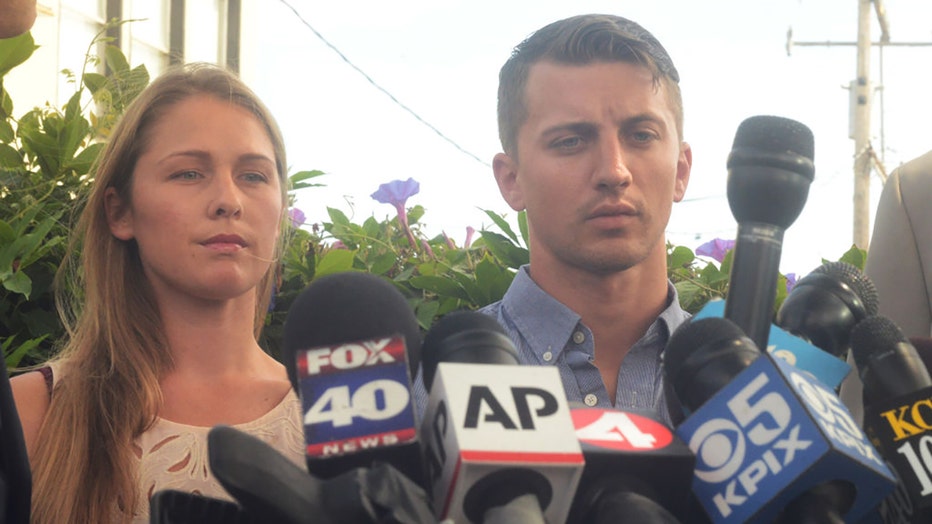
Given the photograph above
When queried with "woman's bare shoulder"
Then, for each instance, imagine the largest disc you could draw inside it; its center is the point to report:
(31, 394)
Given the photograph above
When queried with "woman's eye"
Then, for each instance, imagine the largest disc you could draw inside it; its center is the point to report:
(255, 177)
(187, 175)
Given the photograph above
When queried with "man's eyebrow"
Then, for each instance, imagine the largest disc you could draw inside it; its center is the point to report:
(645, 117)
(578, 128)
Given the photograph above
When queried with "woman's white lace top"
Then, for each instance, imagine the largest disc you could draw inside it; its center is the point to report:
(174, 456)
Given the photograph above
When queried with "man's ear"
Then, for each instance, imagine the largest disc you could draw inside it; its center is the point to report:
(683, 167)
(506, 175)
(119, 215)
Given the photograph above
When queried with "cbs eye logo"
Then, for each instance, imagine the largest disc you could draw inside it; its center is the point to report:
(719, 444)
(720, 449)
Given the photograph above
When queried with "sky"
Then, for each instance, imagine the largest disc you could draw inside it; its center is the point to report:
(440, 59)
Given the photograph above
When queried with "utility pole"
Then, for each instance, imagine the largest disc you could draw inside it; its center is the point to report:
(860, 91)
(861, 115)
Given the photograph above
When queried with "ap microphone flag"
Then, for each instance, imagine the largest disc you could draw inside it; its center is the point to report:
(515, 420)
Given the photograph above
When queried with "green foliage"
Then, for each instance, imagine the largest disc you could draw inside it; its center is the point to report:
(45, 164)
(699, 280)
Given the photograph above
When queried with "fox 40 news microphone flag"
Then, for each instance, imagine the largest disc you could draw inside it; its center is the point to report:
(351, 346)
(768, 438)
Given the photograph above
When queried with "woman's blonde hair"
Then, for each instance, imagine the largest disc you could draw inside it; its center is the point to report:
(116, 352)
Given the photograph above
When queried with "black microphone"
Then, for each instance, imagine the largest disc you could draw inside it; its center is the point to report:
(15, 475)
(351, 345)
(499, 440)
(271, 487)
(897, 414)
(825, 305)
(169, 506)
(636, 469)
(769, 172)
(771, 441)
(262, 480)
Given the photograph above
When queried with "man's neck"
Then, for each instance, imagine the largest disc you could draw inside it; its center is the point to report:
(618, 308)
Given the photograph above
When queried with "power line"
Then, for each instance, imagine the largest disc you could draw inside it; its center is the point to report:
(382, 89)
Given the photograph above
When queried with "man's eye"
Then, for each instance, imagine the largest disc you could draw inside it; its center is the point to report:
(642, 136)
(568, 143)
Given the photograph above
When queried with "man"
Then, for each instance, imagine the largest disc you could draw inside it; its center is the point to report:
(591, 123)
(899, 261)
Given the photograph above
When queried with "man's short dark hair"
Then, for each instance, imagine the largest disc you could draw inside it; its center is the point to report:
(581, 40)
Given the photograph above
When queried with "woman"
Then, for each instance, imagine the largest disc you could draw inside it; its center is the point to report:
(177, 244)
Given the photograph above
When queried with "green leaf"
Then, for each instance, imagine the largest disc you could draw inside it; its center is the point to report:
(508, 253)
(337, 216)
(299, 179)
(335, 261)
(855, 256)
(10, 158)
(6, 132)
(85, 159)
(500, 222)
(381, 264)
(522, 226)
(492, 280)
(681, 257)
(440, 285)
(94, 82)
(14, 51)
(425, 312)
(13, 358)
(18, 282)
(7, 236)
(116, 60)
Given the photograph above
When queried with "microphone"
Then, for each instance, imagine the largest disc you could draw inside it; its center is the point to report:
(270, 486)
(766, 435)
(494, 434)
(169, 506)
(769, 172)
(897, 413)
(262, 480)
(829, 369)
(636, 469)
(351, 345)
(15, 475)
(825, 305)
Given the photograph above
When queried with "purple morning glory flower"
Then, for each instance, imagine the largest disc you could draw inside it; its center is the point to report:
(716, 248)
(397, 193)
(448, 240)
(297, 217)
(790, 281)
(470, 231)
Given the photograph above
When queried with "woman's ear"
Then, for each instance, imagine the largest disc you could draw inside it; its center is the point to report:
(119, 215)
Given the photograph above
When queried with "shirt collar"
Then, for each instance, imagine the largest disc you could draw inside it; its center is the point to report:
(548, 324)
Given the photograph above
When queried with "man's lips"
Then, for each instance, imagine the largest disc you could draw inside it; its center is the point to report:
(614, 210)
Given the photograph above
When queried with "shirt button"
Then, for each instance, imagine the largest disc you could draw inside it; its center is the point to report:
(548, 356)
(579, 337)
(591, 400)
